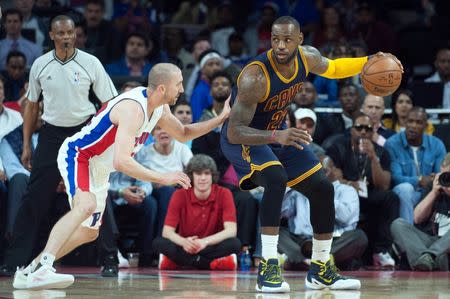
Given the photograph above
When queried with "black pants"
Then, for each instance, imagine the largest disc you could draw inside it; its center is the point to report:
(108, 235)
(182, 258)
(44, 179)
(16, 190)
(378, 211)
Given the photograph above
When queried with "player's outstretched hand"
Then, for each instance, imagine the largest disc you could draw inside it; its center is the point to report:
(226, 109)
(293, 136)
(176, 178)
(393, 57)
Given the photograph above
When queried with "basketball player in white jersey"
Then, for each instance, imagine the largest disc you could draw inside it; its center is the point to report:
(108, 144)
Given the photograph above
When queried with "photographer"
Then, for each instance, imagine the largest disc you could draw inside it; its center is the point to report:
(427, 244)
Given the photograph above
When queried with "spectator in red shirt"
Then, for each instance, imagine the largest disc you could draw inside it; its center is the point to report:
(200, 226)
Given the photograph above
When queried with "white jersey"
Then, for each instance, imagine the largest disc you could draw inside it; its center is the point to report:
(65, 87)
(85, 160)
(94, 144)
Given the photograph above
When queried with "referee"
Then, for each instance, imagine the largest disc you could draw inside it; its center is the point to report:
(64, 77)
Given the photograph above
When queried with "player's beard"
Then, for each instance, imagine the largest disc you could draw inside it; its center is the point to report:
(221, 98)
(289, 58)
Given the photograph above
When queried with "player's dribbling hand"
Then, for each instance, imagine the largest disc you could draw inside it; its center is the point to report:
(393, 57)
(176, 178)
(292, 136)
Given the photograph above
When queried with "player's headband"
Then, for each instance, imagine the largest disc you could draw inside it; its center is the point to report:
(208, 57)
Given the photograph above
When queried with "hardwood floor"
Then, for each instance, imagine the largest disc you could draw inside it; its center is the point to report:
(151, 283)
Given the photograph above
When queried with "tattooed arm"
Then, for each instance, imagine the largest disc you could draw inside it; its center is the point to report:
(251, 89)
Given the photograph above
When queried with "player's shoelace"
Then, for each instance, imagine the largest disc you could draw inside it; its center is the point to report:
(329, 271)
(271, 272)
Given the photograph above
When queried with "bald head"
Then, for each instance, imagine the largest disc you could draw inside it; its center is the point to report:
(162, 74)
(373, 106)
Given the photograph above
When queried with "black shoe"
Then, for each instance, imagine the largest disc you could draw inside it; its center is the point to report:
(110, 266)
(7, 271)
(110, 271)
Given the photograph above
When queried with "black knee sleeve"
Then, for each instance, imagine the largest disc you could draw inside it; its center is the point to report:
(320, 192)
(273, 179)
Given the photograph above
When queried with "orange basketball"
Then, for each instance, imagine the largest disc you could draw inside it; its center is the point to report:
(381, 76)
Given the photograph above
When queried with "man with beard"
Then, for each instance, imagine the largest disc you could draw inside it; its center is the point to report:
(264, 153)
(416, 158)
(334, 125)
(209, 144)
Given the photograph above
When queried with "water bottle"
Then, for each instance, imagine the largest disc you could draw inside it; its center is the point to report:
(246, 261)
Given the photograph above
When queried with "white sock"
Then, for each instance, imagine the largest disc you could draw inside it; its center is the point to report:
(269, 246)
(47, 259)
(321, 250)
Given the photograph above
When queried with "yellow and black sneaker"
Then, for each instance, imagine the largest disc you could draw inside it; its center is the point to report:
(269, 278)
(325, 275)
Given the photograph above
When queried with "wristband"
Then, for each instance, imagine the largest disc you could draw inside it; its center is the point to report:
(272, 137)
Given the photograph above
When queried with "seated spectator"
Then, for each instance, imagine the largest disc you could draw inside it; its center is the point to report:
(442, 74)
(366, 166)
(128, 194)
(174, 41)
(427, 243)
(258, 35)
(210, 62)
(35, 26)
(306, 97)
(14, 76)
(223, 27)
(129, 85)
(366, 23)
(334, 124)
(164, 155)
(200, 45)
(306, 119)
(349, 243)
(209, 144)
(9, 118)
(102, 39)
(330, 32)
(402, 101)
(130, 17)
(237, 52)
(182, 110)
(416, 158)
(200, 227)
(373, 106)
(14, 41)
(134, 62)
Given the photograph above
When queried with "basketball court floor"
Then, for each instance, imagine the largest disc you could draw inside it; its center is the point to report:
(151, 283)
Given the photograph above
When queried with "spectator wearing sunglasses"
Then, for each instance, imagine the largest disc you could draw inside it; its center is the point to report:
(366, 166)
